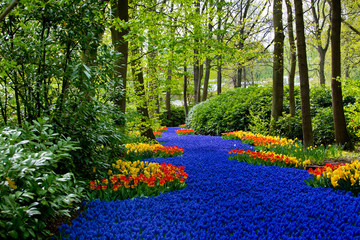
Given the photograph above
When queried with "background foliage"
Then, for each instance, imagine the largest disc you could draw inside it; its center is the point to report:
(249, 109)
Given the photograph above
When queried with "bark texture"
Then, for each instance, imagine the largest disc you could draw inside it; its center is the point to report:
(278, 62)
(341, 135)
(292, 58)
(308, 139)
(120, 9)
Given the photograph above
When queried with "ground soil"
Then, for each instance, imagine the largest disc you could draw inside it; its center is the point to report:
(54, 223)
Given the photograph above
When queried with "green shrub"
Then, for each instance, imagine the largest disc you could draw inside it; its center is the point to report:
(286, 107)
(249, 109)
(31, 192)
(228, 111)
(259, 121)
(177, 117)
(323, 126)
(289, 127)
(353, 114)
(320, 97)
(94, 126)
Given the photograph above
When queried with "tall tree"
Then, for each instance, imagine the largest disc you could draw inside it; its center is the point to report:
(249, 17)
(208, 59)
(292, 57)
(185, 91)
(120, 9)
(341, 134)
(219, 38)
(278, 62)
(197, 67)
(142, 104)
(320, 22)
(308, 139)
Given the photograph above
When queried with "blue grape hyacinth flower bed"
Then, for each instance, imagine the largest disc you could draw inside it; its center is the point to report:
(224, 199)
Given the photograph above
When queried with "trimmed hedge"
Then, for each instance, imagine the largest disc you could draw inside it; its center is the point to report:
(230, 111)
(177, 117)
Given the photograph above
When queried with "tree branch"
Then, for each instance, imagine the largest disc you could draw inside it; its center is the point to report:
(351, 27)
(8, 9)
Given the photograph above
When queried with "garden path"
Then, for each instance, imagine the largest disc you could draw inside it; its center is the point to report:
(224, 199)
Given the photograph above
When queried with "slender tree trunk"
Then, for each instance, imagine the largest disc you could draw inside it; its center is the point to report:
(201, 74)
(153, 85)
(244, 77)
(239, 77)
(120, 10)
(197, 70)
(239, 80)
(243, 17)
(219, 38)
(206, 79)
(252, 76)
(15, 81)
(185, 91)
(168, 97)
(65, 81)
(292, 58)
(341, 135)
(196, 77)
(322, 55)
(4, 106)
(168, 103)
(18, 108)
(219, 77)
(142, 108)
(278, 67)
(304, 78)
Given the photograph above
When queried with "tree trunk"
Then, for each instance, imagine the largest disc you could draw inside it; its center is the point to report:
(197, 70)
(168, 96)
(120, 10)
(304, 78)
(18, 108)
(153, 85)
(341, 135)
(319, 28)
(196, 78)
(239, 77)
(278, 67)
(244, 77)
(168, 103)
(252, 76)
(142, 108)
(239, 80)
(4, 106)
(218, 76)
(206, 79)
(292, 58)
(219, 38)
(322, 55)
(185, 91)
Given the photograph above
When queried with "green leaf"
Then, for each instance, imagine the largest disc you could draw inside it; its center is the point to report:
(33, 211)
(13, 234)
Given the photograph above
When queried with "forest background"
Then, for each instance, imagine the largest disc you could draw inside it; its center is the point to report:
(83, 77)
